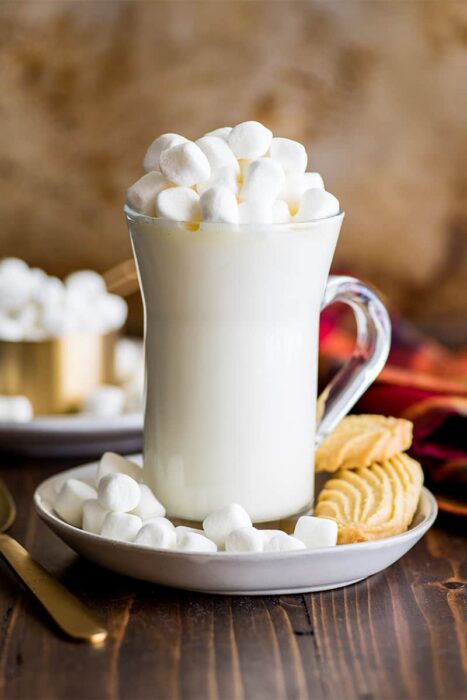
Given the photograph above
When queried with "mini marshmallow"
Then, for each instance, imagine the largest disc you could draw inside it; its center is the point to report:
(264, 179)
(105, 401)
(86, 283)
(280, 212)
(185, 164)
(141, 196)
(121, 526)
(13, 266)
(218, 153)
(16, 285)
(118, 492)
(317, 204)
(17, 409)
(220, 177)
(291, 155)
(283, 543)
(50, 291)
(245, 539)
(158, 533)
(250, 140)
(70, 500)
(219, 204)
(129, 359)
(243, 163)
(219, 524)
(152, 156)
(223, 132)
(112, 463)
(111, 311)
(316, 532)
(268, 535)
(295, 185)
(255, 212)
(148, 506)
(93, 516)
(181, 530)
(179, 204)
(193, 542)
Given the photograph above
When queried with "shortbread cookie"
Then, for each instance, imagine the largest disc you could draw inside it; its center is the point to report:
(372, 502)
(359, 441)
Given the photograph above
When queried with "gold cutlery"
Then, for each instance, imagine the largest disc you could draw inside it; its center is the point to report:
(72, 616)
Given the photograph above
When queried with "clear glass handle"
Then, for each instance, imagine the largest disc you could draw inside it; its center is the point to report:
(369, 356)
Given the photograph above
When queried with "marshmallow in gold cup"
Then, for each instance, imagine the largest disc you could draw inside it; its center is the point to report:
(58, 373)
(231, 342)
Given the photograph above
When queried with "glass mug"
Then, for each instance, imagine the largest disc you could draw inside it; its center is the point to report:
(231, 348)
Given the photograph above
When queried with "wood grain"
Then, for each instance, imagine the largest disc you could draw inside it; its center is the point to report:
(400, 634)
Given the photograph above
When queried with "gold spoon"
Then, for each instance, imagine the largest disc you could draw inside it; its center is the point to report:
(69, 613)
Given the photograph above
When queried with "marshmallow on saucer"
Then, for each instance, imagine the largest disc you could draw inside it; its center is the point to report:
(316, 532)
(141, 196)
(181, 531)
(219, 204)
(118, 492)
(105, 401)
(70, 500)
(17, 409)
(121, 526)
(219, 524)
(283, 543)
(317, 204)
(178, 204)
(112, 463)
(148, 506)
(291, 155)
(218, 153)
(250, 140)
(185, 164)
(152, 156)
(160, 533)
(263, 180)
(93, 516)
(193, 542)
(245, 539)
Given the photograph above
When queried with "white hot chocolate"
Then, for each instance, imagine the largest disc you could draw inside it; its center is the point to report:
(231, 355)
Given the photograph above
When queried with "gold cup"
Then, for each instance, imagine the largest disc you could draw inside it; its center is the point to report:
(57, 374)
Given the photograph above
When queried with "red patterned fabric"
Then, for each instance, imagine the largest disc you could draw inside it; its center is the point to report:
(422, 381)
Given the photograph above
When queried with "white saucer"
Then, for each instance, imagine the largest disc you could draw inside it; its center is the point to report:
(235, 574)
(73, 435)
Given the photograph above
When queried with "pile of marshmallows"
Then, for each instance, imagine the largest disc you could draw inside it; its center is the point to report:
(119, 507)
(37, 306)
(239, 175)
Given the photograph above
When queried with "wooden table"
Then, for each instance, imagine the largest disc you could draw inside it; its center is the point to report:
(400, 634)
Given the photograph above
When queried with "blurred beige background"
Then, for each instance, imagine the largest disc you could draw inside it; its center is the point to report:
(377, 90)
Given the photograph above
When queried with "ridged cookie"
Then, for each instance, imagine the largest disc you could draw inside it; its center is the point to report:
(359, 441)
(372, 502)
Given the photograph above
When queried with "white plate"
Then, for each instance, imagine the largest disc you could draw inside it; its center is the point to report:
(237, 574)
(73, 435)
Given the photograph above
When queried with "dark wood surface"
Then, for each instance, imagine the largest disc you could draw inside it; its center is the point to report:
(400, 634)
